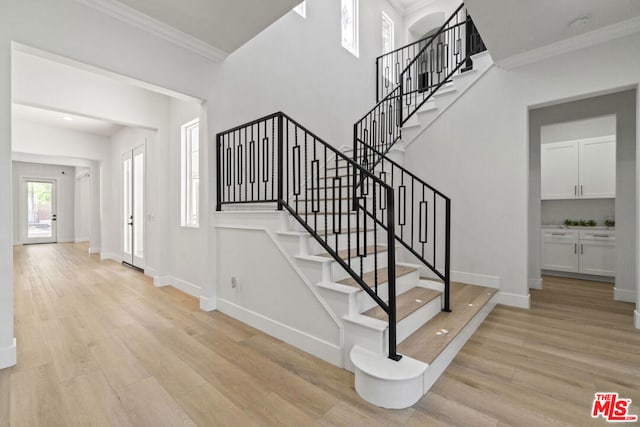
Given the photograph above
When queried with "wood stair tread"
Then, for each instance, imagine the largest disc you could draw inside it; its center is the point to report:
(383, 276)
(429, 341)
(345, 253)
(343, 231)
(406, 303)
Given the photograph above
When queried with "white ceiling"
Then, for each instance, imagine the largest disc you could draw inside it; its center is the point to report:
(514, 27)
(55, 119)
(224, 24)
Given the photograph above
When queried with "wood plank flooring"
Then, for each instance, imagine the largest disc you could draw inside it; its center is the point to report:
(99, 345)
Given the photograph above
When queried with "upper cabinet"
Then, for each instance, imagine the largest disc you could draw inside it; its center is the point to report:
(583, 169)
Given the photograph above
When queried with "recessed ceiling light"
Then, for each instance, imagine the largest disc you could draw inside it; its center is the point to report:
(67, 118)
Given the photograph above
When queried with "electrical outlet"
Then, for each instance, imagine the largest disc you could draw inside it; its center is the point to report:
(234, 282)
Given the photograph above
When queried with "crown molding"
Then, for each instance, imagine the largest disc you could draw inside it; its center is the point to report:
(591, 38)
(133, 17)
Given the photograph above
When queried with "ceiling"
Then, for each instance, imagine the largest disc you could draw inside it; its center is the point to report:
(223, 24)
(56, 119)
(514, 27)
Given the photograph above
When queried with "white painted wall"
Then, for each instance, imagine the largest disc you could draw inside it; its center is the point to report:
(65, 188)
(82, 202)
(477, 152)
(587, 128)
(188, 244)
(298, 66)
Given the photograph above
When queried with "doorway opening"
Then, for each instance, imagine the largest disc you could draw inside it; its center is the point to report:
(133, 182)
(40, 201)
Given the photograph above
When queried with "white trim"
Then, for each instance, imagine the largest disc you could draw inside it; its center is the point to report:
(110, 256)
(514, 300)
(94, 250)
(624, 295)
(476, 279)
(324, 350)
(161, 281)
(80, 239)
(133, 17)
(636, 319)
(601, 35)
(208, 304)
(535, 283)
(8, 356)
(174, 282)
(397, 6)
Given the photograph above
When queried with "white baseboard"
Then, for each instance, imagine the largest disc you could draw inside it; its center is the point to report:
(476, 279)
(8, 356)
(514, 300)
(94, 250)
(110, 256)
(80, 239)
(208, 304)
(183, 285)
(313, 345)
(624, 295)
(65, 240)
(636, 319)
(535, 283)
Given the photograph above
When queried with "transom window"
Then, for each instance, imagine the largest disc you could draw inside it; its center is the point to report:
(350, 39)
(388, 31)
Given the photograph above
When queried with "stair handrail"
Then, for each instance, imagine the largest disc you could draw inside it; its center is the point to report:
(275, 159)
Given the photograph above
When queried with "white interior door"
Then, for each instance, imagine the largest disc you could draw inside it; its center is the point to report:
(133, 207)
(40, 222)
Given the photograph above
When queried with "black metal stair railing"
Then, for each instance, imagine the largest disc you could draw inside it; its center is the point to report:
(423, 217)
(276, 160)
(390, 65)
(445, 54)
(425, 71)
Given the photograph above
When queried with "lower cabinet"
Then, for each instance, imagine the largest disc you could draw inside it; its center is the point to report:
(579, 251)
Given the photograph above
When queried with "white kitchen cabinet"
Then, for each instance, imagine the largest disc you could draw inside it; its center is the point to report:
(579, 251)
(582, 169)
(559, 170)
(598, 168)
(598, 253)
(560, 250)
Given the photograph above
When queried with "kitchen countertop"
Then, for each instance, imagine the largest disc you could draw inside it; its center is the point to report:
(575, 227)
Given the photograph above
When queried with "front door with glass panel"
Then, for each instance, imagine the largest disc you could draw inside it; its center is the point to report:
(133, 207)
(41, 217)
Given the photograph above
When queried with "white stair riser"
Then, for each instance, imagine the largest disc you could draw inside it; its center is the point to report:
(365, 337)
(403, 284)
(418, 318)
(338, 273)
(343, 239)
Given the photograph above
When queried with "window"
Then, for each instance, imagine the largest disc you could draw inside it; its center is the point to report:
(190, 174)
(301, 9)
(350, 40)
(387, 33)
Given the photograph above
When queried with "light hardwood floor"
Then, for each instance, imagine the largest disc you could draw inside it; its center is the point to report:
(99, 345)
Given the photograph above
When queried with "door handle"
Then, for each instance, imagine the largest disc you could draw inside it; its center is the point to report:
(575, 248)
(575, 190)
(54, 217)
(581, 249)
(581, 190)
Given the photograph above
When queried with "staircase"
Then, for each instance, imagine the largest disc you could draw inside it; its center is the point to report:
(348, 213)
